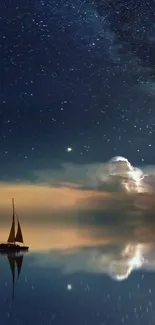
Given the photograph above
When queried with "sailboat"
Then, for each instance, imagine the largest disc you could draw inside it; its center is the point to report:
(14, 238)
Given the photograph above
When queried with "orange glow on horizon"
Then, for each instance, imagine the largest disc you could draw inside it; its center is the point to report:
(54, 237)
(34, 198)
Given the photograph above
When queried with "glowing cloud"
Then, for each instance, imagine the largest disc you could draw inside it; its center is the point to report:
(130, 177)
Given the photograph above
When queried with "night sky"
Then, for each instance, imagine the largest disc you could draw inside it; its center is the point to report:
(77, 87)
(75, 75)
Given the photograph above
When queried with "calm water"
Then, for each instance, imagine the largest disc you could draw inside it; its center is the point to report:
(79, 279)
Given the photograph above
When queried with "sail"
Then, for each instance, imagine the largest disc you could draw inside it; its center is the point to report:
(11, 237)
(19, 262)
(12, 267)
(19, 236)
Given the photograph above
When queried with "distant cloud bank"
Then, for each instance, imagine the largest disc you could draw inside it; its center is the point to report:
(116, 175)
(91, 189)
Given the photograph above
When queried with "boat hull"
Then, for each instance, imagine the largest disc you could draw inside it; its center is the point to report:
(12, 248)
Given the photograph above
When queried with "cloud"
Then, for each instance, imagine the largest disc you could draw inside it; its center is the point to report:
(114, 196)
(115, 188)
(81, 176)
(116, 261)
(115, 175)
(37, 200)
(42, 203)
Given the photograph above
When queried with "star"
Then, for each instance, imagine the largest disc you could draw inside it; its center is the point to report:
(69, 149)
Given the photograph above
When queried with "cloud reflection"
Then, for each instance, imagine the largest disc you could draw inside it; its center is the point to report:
(116, 262)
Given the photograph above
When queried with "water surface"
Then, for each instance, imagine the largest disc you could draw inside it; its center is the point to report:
(78, 276)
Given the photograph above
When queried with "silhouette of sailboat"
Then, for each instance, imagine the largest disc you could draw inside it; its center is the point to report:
(14, 237)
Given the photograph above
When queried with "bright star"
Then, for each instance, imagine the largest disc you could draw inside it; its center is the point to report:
(69, 149)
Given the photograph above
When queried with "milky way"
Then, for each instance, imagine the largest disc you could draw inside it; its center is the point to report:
(133, 24)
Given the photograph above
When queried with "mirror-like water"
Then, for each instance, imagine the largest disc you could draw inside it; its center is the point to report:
(77, 276)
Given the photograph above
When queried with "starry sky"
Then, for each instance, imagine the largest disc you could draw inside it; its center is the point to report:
(75, 75)
(77, 87)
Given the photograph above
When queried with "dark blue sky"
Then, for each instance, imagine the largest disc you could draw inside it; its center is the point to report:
(76, 75)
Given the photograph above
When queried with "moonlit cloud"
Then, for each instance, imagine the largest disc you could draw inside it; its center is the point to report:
(116, 175)
(83, 187)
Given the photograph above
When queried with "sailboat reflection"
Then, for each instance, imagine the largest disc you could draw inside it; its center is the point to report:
(15, 262)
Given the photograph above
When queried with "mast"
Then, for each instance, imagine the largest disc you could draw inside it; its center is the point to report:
(11, 237)
(13, 206)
